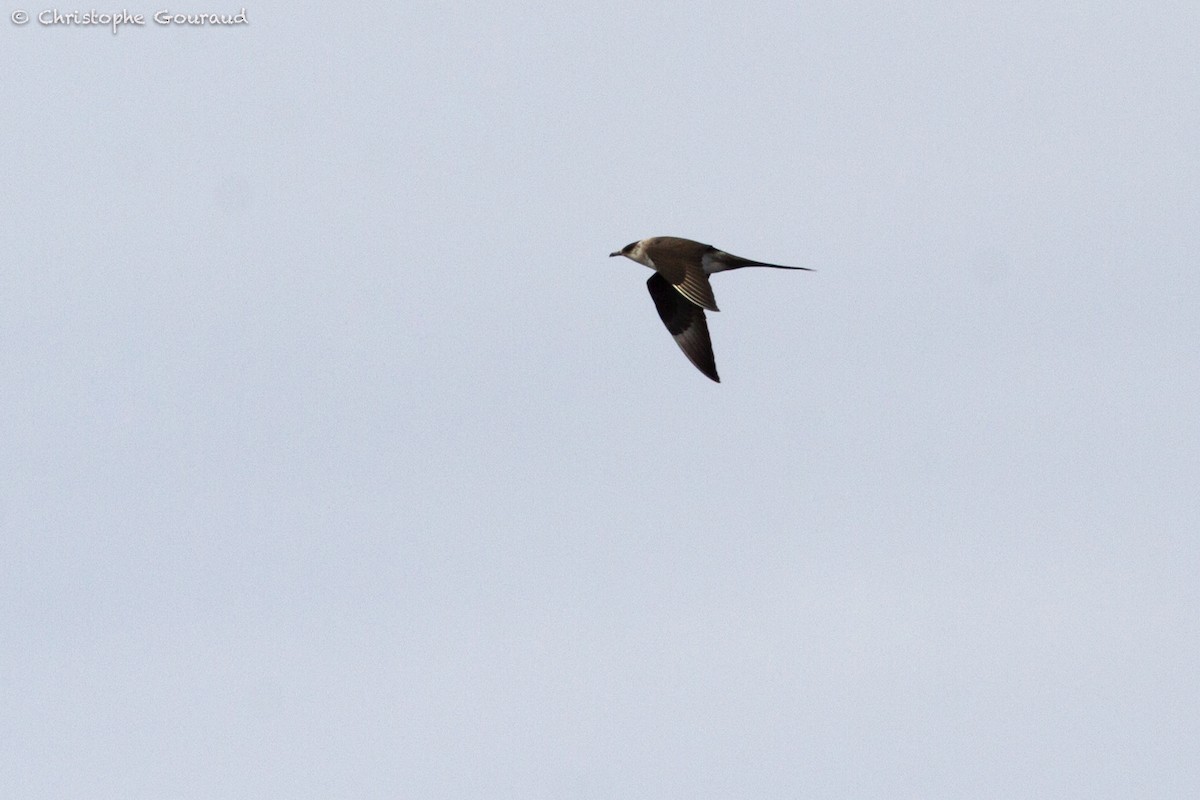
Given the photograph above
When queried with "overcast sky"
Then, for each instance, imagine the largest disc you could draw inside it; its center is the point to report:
(337, 459)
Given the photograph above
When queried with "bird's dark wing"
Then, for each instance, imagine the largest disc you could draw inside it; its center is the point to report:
(686, 322)
(680, 264)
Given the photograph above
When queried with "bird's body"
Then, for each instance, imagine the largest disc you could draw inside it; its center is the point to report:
(681, 290)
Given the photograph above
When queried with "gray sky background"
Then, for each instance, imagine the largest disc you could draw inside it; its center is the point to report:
(338, 460)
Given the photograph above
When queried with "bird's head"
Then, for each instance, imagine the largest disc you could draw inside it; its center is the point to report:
(633, 251)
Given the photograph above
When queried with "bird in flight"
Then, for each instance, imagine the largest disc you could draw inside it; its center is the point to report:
(681, 291)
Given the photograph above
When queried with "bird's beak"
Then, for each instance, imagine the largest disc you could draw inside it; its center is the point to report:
(610, 255)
